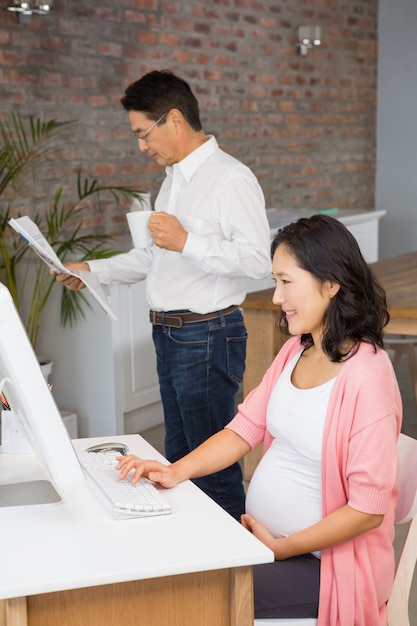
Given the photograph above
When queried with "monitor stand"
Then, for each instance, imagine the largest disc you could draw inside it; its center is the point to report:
(29, 493)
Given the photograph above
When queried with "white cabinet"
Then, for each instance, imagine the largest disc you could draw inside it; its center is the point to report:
(136, 377)
(364, 225)
(365, 228)
(105, 371)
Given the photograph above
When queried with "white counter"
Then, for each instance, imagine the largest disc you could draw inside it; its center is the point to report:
(77, 544)
(364, 225)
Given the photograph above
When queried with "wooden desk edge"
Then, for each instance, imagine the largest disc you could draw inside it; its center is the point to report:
(238, 612)
(13, 612)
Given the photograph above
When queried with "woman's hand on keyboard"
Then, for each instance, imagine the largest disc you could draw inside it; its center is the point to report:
(154, 470)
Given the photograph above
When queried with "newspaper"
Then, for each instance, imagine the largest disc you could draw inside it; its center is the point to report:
(30, 232)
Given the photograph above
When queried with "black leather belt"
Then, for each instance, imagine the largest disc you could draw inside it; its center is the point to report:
(178, 319)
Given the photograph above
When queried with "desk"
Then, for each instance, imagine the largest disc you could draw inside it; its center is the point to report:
(73, 564)
(398, 276)
(264, 342)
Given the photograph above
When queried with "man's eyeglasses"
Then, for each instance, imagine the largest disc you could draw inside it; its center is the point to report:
(145, 134)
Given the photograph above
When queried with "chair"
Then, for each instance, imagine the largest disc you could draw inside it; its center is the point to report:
(405, 512)
(400, 345)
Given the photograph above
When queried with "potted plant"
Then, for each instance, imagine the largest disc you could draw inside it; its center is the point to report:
(27, 145)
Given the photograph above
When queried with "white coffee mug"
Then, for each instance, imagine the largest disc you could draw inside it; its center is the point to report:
(138, 225)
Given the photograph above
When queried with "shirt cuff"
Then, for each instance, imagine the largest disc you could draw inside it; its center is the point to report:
(368, 499)
(195, 247)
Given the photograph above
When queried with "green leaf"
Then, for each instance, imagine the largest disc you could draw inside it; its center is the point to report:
(27, 145)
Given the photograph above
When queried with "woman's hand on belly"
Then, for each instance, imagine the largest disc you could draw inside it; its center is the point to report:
(277, 545)
(339, 526)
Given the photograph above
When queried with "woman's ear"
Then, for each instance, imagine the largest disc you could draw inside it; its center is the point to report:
(333, 289)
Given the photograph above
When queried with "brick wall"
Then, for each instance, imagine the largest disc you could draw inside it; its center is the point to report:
(305, 125)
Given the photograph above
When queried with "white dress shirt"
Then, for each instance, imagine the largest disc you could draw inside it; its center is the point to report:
(219, 202)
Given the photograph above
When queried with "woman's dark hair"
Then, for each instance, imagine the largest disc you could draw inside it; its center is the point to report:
(158, 92)
(324, 247)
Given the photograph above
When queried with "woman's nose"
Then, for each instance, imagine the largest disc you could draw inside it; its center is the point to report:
(277, 296)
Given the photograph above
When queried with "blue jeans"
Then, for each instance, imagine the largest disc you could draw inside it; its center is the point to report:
(200, 367)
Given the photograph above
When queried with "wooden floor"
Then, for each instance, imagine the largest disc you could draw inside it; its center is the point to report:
(156, 437)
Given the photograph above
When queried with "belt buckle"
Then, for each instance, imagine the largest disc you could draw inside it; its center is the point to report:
(154, 318)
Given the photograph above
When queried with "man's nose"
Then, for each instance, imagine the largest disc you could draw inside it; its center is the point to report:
(143, 146)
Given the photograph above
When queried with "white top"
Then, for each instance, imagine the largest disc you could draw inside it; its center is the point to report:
(285, 490)
(220, 203)
(77, 543)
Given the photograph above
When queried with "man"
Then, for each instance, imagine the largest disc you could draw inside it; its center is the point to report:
(210, 233)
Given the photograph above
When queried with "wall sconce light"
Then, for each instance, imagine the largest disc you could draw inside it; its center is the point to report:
(25, 9)
(308, 36)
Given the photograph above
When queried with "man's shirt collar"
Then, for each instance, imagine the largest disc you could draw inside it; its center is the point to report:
(190, 164)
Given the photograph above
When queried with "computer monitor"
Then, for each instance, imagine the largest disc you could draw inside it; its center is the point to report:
(29, 397)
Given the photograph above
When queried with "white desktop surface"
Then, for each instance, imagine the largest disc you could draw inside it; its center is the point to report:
(77, 543)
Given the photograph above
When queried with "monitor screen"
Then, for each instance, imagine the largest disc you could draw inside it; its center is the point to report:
(25, 389)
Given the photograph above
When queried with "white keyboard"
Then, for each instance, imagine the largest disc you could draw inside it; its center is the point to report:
(123, 499)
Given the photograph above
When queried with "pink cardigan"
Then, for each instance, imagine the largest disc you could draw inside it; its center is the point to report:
(359, 467)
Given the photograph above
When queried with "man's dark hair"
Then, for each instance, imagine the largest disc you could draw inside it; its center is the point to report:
(158, 92)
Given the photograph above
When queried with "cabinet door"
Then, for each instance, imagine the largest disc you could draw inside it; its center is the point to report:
(366, 234)
(134, 344)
